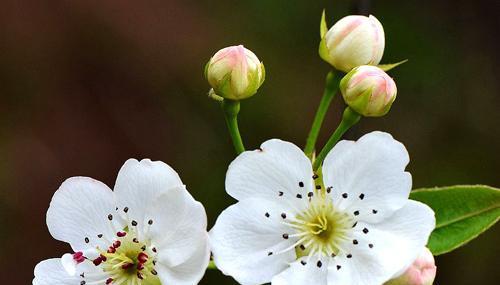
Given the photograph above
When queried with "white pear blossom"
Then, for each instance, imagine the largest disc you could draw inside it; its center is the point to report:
(148, 231)
(353, 225)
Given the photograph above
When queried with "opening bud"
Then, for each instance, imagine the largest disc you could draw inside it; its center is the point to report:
(368, 90)
(235, 73)
(353, 41)
(421, 272)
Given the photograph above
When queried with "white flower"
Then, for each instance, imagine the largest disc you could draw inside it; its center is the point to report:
(148, 231)
(355, 226)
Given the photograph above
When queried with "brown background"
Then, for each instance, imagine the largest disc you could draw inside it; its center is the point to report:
(84, 85)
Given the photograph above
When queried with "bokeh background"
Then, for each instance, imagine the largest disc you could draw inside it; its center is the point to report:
(86, 84)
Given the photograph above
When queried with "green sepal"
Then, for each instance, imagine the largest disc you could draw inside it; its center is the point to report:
(205, 69)
(462, 212)
(323, 51)
(263, 69)
(323, 27)
(389, 66)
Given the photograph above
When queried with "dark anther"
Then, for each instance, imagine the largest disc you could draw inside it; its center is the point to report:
(303, 262)
(87, 240)
(283, 215)
(82, 283)
(125, 209)
(338, 267)
(285, 236)
(318, 187)
(299, 196)
(280, 193)
(154, 249)
(349, 255)
(354, 224)
(319, 264)
(134, 223)
(356, 213)
(310, 194)
(344, 195)
(267, 215)
(333, 254)
(302, 247)
(370, 245)
(143, 248)
(150, 222)
(301, 184)
(355, 241)
(110, 217)
(99, 235)
(374, 211)
(329, 189)
(362, 196)
(315, 176)
(365, 230)
(270, 253)
(135, 240)
(154, 272)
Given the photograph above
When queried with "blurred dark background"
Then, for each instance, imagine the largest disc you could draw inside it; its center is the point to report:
(84, 85)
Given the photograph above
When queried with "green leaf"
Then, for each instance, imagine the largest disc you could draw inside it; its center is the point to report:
(323, 28)
(462, 213)
(389, 66)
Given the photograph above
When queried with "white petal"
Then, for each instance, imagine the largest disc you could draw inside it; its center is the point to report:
(277, 167)
(52, 272)
(189, 272)
(299, 274)
(79, 210)
(243, 238)
(179, 226)
(371, 173)
(396, 242)
(139, 183)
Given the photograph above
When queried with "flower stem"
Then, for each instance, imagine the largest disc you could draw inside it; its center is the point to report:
(211, 265)
(331, 87)
(349, 119)
(231, 109)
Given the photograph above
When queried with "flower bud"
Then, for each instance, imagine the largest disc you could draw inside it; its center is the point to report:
(421, 272)
(368, 90)
(235, 73)
(353, 41)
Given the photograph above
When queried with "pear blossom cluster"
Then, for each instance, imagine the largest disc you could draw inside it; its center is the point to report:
(348, 221)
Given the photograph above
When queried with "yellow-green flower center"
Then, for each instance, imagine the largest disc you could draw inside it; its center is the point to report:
(321, 228)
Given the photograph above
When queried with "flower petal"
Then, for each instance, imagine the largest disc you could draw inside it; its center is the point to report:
(384, 249)
(299, 274)
(79, 212)
(368, 176)
(51, 271)
(189, 272)
(139, 183)
(178, 226)
(247, 239)
(278, 171)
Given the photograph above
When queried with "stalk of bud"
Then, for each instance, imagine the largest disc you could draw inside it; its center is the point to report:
(353, 41)
(368, 90)
(235, 73)
(421, 272)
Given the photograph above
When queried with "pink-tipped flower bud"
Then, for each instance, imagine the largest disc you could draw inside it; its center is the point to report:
(421, 272)
(368, 90)
(235, 73)
(353, 41)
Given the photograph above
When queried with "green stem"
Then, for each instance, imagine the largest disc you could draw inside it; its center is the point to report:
(349, 119)
(331, 87)
(211, 265)
(231, 109)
